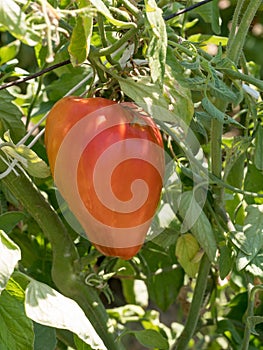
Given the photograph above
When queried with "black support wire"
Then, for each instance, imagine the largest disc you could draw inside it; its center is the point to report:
(187, 9)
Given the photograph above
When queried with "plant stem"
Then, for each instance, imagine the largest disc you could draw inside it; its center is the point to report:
(65, 255)
(116, 45)
(234, 49)
(252, 290)
(194, 312)
(237, 39)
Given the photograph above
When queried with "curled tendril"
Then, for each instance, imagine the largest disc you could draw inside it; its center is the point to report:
(100, 282)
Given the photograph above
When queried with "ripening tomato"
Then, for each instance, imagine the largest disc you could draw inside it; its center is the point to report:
(107, 160)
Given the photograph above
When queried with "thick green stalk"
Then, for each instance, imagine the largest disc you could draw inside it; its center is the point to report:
(194, 312)
(65, 255)
(252, 290)
(235, 20)
(237, 38)
(234, 49)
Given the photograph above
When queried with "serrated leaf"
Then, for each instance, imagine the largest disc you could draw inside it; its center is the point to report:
(187, 248)
(46, 306)
(258, 156)
(13, 19)
(215, 113)
(10, 254)
(253, 236)
(16, 330)
(103, 9)
(156, 52)
(197, 222)
(220, 89)
(80, 40)
(30, 161)
(147, 95)
(157, 102)
(181, 102)
(151, 339)
(10, 116)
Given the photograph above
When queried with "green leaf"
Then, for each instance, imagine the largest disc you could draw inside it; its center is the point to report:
(227, 327)
(148, 96)
(252, 321)
(10, 219)
(206, 39)
(181, 102)
(13, 19)
(10, 116)
(16, 330)
(80, 40)
(258, 156)
(163, 281)
(159, 104)
(151, 339)
(197, 222)
(134, 290)
(30, 161)
(215, 17)
(9, 256)
(59, 87)
(48, 307)
(255, 267)
(9, 51)
(103, 9)
(254, 183)
(235, 161)
(220, 90)
(187, 249)
(80, 344)
(156, 52)
(45, 337)
(204, 11)
(215, 113)
(212, 110)
(253, 236)
(226, 261)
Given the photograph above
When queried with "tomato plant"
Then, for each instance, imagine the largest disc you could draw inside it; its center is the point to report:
(107, 160)
(183, 270)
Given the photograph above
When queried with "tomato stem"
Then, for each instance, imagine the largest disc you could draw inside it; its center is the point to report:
(238, 33)
(197, 302)
(65, 255)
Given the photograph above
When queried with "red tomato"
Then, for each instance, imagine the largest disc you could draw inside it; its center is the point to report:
(107, 161)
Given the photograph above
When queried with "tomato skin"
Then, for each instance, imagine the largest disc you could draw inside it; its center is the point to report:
(104, 148)
(63, 115)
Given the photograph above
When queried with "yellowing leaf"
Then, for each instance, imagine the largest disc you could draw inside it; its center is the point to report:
(188, 253)
(80, 40)
(30, 161)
